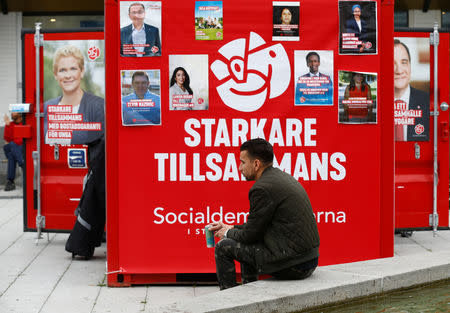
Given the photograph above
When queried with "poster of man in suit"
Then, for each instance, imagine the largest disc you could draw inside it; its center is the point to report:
(313, 77)
(411, 89)
(140, 28)
(357, 27)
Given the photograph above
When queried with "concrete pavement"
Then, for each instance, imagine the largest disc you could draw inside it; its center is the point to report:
(44, 278)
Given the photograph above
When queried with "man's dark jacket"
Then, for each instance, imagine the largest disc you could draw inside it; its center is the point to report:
(280, 223)
(151, 39)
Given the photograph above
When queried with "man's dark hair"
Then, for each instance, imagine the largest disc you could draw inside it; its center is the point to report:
(139, 73)
(311, 54)
(398, 42)
(260, 149)
(136, 3)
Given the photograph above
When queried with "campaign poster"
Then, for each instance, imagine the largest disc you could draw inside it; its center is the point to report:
(208, 20)
(140, 28)
(74, 91)
(188, 82)
(412, 89)
(141, 97)
(358, 27)
(286, 21)
(313, 72)
(357, 97)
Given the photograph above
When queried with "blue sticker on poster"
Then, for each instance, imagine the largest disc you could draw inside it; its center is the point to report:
(76, 158)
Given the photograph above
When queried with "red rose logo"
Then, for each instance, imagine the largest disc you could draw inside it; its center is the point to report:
(367, 45)
(200, 100)
(419, 129)
(93, 53)
(155, 49)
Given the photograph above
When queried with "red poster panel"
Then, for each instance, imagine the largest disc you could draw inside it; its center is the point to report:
(61, 174)
(166, 180)
(414, 130)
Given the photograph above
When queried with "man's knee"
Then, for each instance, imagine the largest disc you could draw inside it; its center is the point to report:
(225, 246)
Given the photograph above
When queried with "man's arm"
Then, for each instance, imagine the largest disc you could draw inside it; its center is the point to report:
(261, 211)
(8, 133)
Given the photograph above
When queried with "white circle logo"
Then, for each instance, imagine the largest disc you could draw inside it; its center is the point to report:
(251, 72)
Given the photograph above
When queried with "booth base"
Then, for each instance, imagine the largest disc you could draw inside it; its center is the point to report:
(126, 280)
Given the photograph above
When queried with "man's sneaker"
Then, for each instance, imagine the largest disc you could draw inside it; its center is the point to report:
(10, 186)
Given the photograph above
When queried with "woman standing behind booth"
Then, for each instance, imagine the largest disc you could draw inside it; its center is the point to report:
(84, 112)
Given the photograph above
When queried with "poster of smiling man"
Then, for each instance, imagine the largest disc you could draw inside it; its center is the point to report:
(357, 27)
(74, 91)
(313, 77)
(286, 20)
(412, 89)
(140, 28)
(141, 100)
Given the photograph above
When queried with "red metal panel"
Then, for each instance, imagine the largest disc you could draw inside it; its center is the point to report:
(414, 177)
(142, 243)
(60, 186)
(386, 121)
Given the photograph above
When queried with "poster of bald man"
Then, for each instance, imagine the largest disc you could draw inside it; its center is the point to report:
(412, 89)
(313, 72)
(140, 28)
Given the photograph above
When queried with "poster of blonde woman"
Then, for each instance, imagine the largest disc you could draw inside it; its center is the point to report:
(73, 91)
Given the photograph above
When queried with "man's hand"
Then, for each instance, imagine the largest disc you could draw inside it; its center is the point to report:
(219, 229)
(6, 119)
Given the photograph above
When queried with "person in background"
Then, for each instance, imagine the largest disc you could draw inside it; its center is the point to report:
(13, 148)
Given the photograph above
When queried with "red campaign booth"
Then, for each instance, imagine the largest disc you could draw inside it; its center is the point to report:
(167, 178)
(166, 182)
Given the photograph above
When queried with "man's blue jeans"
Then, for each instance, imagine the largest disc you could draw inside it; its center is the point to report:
(14, 154)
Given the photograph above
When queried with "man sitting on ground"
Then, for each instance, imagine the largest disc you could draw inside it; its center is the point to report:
(280, 236)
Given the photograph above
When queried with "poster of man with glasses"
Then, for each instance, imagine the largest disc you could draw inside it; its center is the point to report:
(140, 23)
